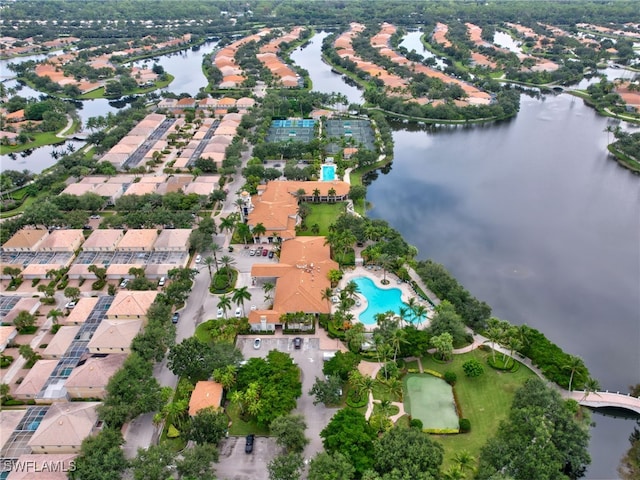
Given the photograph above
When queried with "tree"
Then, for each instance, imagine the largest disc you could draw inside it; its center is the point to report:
(240, 295)
(131, 391)
(268, 288)
(72, 293)
(444, 345)
(224, 302)
(357, 192)
(629, 468)
(334, 276)
(355, 336)
(257, 231)
(472, 368)
(341, 364)
(330, 467)
(289, 432)
(286, 467)
(101, 457)
(208, 426)
(24, 320)
(447, 320)
(408, 453)
(208, 261)
(153, 463)
(349, 433)
(544, 436)
(13, 272)
(29, 354)
(197, 462)
(197, 360)
(574, 364)
(327, 391)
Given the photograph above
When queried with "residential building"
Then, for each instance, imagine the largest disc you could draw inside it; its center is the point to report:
(103, 240)
(60, 342)
(205, 394)
(79, 314)
(138, 240)
(131, 305)
(62, 241)
(25, 240)
(7, 334)
(114, 336)
(64, 427)
(90, 378)
(173, 240)
(35, 379)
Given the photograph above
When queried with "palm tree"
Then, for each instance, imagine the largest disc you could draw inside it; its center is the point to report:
(398, 338)
(240, 295)
(454, 472)
(215, 249)
(420, 313)
(54, 314)
(224, 303)
(327, 293)
(243, 231)
(412, 304)
(268, 290)
(228, 223)
(351, 289)
(332, 194)
(257, 231)
(591, 386)
(464, 460)
(227, 263)
(316, 194)
(574, 364)
(494, 335)
(395, 388)
(208, 261)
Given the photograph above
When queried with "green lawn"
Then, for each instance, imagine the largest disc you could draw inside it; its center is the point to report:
(241, 428)
(324, 214)
(484, 400)
(41, 139)
(381, 392)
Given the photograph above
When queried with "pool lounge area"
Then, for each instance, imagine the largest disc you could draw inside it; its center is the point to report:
(377, 298)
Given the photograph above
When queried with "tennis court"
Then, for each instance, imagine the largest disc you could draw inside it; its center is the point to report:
(430, 399)
(297, 130)
(358, 130)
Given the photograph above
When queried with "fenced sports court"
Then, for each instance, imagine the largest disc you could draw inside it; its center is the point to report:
(430, 399)
(297, 130)
(351, 128)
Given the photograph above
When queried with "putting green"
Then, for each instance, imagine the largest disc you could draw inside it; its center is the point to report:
(430, 399)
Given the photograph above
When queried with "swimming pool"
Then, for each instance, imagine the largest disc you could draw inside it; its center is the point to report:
(378, 300)
(328, 173)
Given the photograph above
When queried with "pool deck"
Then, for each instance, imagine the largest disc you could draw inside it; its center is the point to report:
(377, 276)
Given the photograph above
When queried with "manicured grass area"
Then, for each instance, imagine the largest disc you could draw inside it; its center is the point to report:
(323, 214)
(484, 400)
(240, 427)
(381, 392)
(20, 209)
(41, 139)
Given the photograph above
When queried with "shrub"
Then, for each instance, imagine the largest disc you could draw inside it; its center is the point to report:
(450, 377)
(98, 284)
(55, 328)
(472, 368)
(5, 361)
(173, 432)
(416, 423)
(356, 400)
(465, 425)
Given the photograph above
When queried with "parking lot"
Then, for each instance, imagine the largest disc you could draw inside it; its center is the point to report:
(234, 463)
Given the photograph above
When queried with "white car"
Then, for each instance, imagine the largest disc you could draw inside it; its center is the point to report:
(252, 252)
(253, 308)
(256, 343)
(70, 304)
(220, 313)
(238, 312)
(198, 258)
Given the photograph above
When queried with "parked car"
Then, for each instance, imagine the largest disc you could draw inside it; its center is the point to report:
(252, 252)
(257, 343)
(238, 312)
(271, 254)
(124, 283)
(198, 258)
(95, 217)
(220, 313)
(175, 317)
(265, 252)
(162, 281)
(253, 307)
(70, 304)
(297, 343)
(248, 446)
